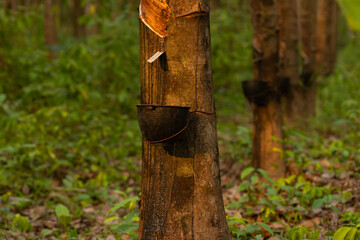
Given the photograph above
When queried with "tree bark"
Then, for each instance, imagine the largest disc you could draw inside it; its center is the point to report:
(308, 19)
(79, 11)
(267, 145)
(50, 26)
(10, 4)
(288, 60)
(334, 37)
(327, 24)
(181, 187)
(215, 4)
(309, 35)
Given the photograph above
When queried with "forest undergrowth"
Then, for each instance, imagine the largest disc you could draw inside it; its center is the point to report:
(70, 147)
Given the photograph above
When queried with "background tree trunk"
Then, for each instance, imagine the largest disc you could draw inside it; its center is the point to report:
(215, 4)
(10, 4)
(181, 189)
(50, 26)
(288, 59)
(334, 26)
(79, 11)
(267, 120)
(308, 19)
(327, 25)
(323, 40)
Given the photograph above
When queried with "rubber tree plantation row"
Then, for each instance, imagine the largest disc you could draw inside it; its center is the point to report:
(181, 189)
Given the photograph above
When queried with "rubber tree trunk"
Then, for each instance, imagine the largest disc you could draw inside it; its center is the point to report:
(50, 26)
(308, 19)
(267, 140)
(10, 4)
(181, 188)
(334, 33)
(288, 61)
(328, 19)
(79, 11)
(215, 4)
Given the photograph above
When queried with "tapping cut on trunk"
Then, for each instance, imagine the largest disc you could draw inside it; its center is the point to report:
(155, 14)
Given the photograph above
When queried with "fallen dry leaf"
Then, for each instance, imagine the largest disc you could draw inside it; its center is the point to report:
(311, 223)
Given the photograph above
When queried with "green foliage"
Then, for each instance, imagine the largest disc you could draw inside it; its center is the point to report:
(130, 201)
(231, 54)
(302, 233)
(75, 112)
(351, 9)
(126, 224)
(260, 190)
(348, 232)
(247, 172)
(45, 232)
(242, 229)
(63, 215)
(351, 217)
(68, 125)
(22, 223)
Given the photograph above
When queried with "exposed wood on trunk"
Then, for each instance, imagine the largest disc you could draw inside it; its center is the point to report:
(267, 150)
(79, 11)
(155, 15)
(181, 188)
(288, 59)
(308, 19)
(50, 26)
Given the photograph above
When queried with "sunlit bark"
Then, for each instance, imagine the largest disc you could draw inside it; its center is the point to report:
(267, 145)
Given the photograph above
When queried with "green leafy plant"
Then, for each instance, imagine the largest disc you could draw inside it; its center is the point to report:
(350, 217)
(22, 223)
(243, 229)
(302, 233)
(126, 224)
(46, 232)
(351, 8)
(348, 232)
(63, 215)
